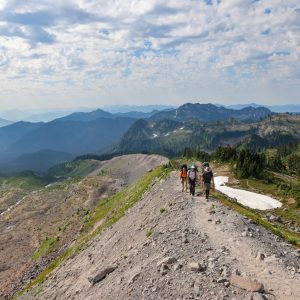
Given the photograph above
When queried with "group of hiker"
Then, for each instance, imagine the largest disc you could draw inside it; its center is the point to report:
(190, 175)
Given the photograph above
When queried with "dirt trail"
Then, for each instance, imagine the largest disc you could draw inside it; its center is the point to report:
(167, 223)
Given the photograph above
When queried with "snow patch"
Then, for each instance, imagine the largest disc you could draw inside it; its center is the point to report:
(167, 134)
(155, 135)
(181, 128)
(246, 198)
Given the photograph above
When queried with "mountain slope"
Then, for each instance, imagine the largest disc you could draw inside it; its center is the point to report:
(54, 142)
(171, 137)
(40, 218)
(144, 136)
(73, 136)
(39, 161)
(10, 134)
(170, 246)
(210, 112)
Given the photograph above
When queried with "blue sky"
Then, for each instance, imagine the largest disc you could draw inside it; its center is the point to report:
(92, 53)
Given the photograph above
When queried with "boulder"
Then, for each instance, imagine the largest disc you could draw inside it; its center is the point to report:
(194, 266)
(197, 267)
(101, 275)
(260, 256)
(164, 269)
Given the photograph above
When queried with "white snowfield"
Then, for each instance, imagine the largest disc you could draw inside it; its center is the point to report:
(250, 199)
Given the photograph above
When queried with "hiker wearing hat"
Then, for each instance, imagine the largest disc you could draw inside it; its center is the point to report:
(207, 179)
(192, 176)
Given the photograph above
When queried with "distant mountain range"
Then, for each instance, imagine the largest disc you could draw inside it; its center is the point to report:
(99, 113)
(210, 112)
(289, 108)
(38, 146)
(119, 111)
(135, 111)
(30, 115)
(137, 108)
(57, 140)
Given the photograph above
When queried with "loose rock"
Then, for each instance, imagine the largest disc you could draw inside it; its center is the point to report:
(197, 267)
(164, 269)
(167, 261)
(246, 283)
(101, 275)
(134, 278)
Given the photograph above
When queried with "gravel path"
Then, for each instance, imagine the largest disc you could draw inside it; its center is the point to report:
(173, 246)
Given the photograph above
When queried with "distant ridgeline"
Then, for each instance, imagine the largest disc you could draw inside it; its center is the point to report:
(38, 146)
(205, 127)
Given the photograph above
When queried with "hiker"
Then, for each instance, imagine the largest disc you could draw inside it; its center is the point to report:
(192, 176)
(207, 179)
(183, 177)
(205, 164)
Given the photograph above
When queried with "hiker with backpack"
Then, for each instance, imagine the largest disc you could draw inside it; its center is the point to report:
(204, 165)
(192, 177)
(183, 177)
(207, 179)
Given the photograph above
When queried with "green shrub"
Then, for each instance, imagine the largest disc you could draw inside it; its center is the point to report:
(46, 247)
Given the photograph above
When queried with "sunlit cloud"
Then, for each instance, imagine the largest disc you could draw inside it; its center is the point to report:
(63, 53)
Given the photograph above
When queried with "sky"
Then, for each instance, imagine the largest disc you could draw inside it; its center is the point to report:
(90, 53)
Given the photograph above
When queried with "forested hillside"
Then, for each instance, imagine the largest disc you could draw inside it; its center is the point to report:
(171, 137)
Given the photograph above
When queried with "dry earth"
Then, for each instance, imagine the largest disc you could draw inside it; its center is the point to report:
(129, 167)
(57, 210)
(174, 246)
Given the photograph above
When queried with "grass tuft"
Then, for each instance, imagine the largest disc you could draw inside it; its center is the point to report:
(46, 247)
(149, 232)
(258, 218)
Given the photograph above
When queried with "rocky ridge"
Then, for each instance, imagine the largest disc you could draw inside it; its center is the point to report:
(174, 246)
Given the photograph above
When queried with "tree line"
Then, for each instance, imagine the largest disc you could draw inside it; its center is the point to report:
(284, 158)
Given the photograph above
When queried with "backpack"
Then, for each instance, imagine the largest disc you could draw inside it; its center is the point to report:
(207, 176)
(196, 173)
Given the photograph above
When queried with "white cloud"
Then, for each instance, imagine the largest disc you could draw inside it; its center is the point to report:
(56, 53)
